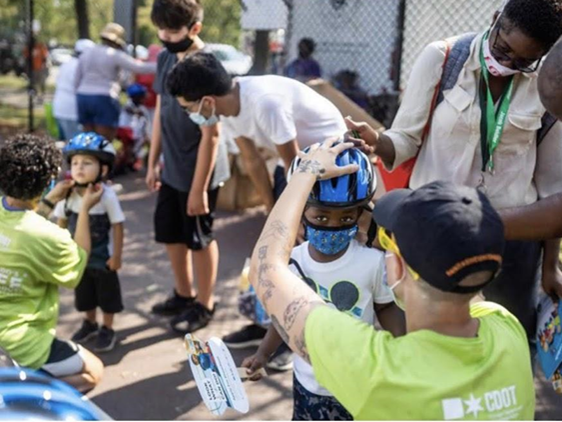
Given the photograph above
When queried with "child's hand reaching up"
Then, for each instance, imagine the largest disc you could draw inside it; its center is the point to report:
(253, 364)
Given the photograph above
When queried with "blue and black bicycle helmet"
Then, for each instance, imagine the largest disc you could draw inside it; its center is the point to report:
(29, 395)
(136, 90)
(90, 143)
(345, 191)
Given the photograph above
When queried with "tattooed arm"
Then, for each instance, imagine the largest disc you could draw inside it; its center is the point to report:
(286, 298)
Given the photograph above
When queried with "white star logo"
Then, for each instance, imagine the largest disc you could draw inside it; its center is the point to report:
(474, 405)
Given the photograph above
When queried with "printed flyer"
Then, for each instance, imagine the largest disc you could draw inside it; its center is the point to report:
(549, 340)
(216, 375)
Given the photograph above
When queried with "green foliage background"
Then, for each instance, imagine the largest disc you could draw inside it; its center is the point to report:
(58, 20)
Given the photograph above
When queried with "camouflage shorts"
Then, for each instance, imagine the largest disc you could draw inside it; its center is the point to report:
(308, 406)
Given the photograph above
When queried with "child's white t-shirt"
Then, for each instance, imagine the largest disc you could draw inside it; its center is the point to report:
(275, 110)
(102, 215)
(352, 284)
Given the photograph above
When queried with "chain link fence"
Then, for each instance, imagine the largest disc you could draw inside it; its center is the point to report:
(366, 48)
(376, 42)
(431, 20)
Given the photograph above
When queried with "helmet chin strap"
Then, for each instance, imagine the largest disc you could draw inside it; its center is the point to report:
(85, 185)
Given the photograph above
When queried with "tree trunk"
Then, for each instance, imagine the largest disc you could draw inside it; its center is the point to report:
(261, 53)
(81, 7)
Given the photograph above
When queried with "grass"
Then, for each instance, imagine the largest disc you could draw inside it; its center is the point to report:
(16, 116)
(12, 83)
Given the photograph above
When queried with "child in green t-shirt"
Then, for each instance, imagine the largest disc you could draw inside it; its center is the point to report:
(36, 257)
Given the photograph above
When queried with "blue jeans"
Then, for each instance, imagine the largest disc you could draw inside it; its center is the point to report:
(68, 129)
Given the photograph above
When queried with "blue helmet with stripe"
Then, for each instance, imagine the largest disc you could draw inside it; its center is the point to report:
(345, 191)
(90, 143)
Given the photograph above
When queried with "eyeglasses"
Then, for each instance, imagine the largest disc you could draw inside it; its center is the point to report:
(388, 243)
(522, 65)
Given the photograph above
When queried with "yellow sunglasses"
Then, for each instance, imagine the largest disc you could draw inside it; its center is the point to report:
(388, 243)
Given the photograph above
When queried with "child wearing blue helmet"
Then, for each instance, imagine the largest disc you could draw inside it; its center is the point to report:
(135, 125)
(347, 275)
(90, 157)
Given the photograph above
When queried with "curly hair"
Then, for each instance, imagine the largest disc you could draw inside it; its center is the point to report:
(27, 165)
(538, 19)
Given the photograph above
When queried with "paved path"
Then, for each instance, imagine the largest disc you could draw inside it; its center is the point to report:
(146, 376)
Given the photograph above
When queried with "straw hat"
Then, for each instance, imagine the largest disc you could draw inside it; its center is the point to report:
(115, 33)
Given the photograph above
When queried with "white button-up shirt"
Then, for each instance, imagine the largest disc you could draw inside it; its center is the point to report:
(523, 172)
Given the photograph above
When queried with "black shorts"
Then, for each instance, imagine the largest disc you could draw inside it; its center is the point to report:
(279, 182)
(173, 225)
(65, 358)
(99, 288)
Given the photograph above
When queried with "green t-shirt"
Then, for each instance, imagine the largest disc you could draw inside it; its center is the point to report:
(424, 375)
(36, 256)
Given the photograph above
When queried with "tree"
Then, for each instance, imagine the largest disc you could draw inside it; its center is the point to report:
(81, 8)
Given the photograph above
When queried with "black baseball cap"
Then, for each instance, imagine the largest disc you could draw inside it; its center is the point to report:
(445, 232)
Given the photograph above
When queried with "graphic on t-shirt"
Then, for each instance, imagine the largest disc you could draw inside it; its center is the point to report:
(216, 375)
(500, 404)
(549, 336)
(344, 295)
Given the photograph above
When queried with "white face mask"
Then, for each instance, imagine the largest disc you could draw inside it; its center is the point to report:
(201, 120)
(398, 302)
(494, 67)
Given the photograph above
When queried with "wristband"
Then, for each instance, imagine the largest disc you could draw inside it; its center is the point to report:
(48, 203)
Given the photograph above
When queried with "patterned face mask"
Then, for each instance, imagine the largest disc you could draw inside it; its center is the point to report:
(330, 240)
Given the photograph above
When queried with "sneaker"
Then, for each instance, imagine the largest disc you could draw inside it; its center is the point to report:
(250, 335)
(281, 360)
(174, 305)
(195, 318)
(86, 332)
(106, 340)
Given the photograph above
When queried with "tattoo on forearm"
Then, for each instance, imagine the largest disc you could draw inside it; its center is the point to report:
(313, 167)
(300, 344)
(280, 330)
(263, 280)
(292, 311)
(276, 229)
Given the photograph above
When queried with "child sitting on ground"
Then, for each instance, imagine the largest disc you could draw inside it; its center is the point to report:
(346, 274)
(90, 157)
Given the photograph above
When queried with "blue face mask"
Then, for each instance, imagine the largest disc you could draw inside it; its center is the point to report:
(201, 120)
(330, 240)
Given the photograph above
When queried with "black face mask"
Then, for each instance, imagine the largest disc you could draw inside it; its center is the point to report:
(178, 47)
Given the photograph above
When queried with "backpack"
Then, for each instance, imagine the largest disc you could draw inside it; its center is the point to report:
(456, 55)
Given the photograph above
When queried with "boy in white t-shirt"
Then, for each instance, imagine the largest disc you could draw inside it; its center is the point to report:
(346, 274)
(272, 112)
(90, 157)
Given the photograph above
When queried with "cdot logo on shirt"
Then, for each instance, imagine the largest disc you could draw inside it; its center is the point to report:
(4, 241)
(497, 404)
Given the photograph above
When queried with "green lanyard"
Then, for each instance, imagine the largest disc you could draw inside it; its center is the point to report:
(492, 123)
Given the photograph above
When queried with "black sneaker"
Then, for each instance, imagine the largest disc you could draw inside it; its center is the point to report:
(195, 318)
(281, 360)
(174, 305)
(250, 335)
(86, 332)
(106, 340)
